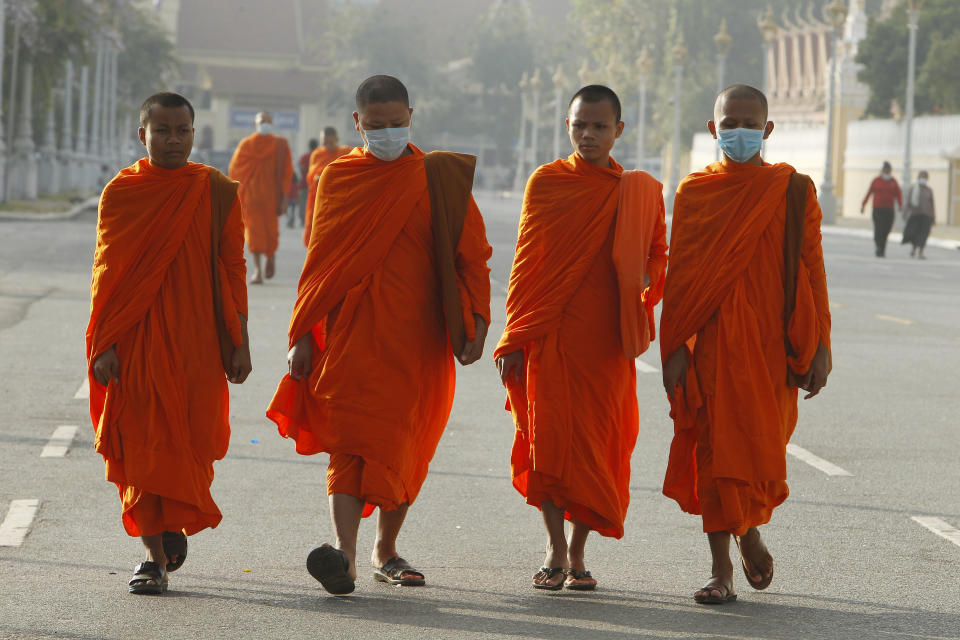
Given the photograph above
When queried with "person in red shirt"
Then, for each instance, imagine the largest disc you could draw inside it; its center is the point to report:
(885, 192)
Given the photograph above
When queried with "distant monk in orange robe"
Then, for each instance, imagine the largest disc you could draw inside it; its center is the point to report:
(167, 329)
(388, 294)
(735, 343)
(578, 314)
(264, 167)
(319, 159)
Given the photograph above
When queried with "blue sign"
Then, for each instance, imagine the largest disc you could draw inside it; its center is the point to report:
(282, 120)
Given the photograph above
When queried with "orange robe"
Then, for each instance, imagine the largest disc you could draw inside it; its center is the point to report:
(264, 167)
(382, 380)
(576, 410)
(161, 428)
(724, 296)
(319, 159)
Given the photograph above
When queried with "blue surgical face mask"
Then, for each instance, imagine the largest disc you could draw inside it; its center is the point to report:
(922, 182)
(387, 144)
(740, 144)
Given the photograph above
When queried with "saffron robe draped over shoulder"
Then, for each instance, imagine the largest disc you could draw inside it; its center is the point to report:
(578, 309)
(382, 379)
(264, 167)
(161, 428)
(724, 298)
(319, 159)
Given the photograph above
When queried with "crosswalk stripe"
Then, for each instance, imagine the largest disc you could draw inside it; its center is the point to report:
(17, 524)
(816, 461)
(83, 392)
(939, 527)
(60, 441)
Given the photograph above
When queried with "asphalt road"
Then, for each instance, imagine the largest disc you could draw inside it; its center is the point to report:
(850, 560)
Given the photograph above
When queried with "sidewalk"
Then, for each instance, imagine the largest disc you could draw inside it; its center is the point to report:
(941, 236)
(39, 216)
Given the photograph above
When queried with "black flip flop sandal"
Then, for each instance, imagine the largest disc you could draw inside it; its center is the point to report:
(148, 579)
(765, 581)
(573, 574)
(329, 566)
(548, 573)
(726, 594)
(175, 544)
(393, 570)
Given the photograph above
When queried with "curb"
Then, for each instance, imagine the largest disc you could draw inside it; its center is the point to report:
(14, 216)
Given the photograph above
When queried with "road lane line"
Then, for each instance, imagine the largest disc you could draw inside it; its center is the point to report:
(904, 321)
(836, 305)
(939, 527)
(643, 367)
(16, 525)
(59, 442)
(816, 461)
(83, 392)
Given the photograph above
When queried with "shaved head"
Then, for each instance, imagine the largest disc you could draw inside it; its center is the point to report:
(598, 93)
(381, 89)
(166, 99)
(264, 116)
(739, 92)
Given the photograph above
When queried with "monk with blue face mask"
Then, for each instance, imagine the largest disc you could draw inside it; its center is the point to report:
(395, 287)
(745, 323)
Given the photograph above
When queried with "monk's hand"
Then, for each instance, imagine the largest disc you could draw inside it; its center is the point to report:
(107, 367)
(510, 366)
(675, 371)
(300, 357)
(240, 364)
(816, 378)
(473, 349)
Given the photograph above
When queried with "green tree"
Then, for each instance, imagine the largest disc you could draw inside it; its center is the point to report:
(883, 55)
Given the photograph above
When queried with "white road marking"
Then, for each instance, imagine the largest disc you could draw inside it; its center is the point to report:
(59, 442)
(836, 305)
(939, 527)
(815, 461)
(498, 285)
(83, 393)
(643, 367)
(903, 321)
(16, 525)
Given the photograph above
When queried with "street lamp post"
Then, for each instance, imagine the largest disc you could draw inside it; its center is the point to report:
(644, 69)
(559, 87)
(913, 12)
(679, 55)
(723, 42)
(836, 14)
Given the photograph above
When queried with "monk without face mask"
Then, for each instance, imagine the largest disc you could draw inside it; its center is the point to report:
(167, 134)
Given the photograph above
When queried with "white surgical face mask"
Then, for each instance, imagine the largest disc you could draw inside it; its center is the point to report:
(922, 181)
(265, 127)
(387, 144)
(886, 176)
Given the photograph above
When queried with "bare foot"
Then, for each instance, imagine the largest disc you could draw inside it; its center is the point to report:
(271, 267)
(256, 278)
(757, 561)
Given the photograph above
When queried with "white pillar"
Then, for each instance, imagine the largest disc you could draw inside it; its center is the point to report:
(535, 85)
(520, 176)
(828, 201)
(68, 178)
(113, 156)
(912, 13)
(48, 164)
(3, 146)
(80, 150)
(95, 146)
(23, 165)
